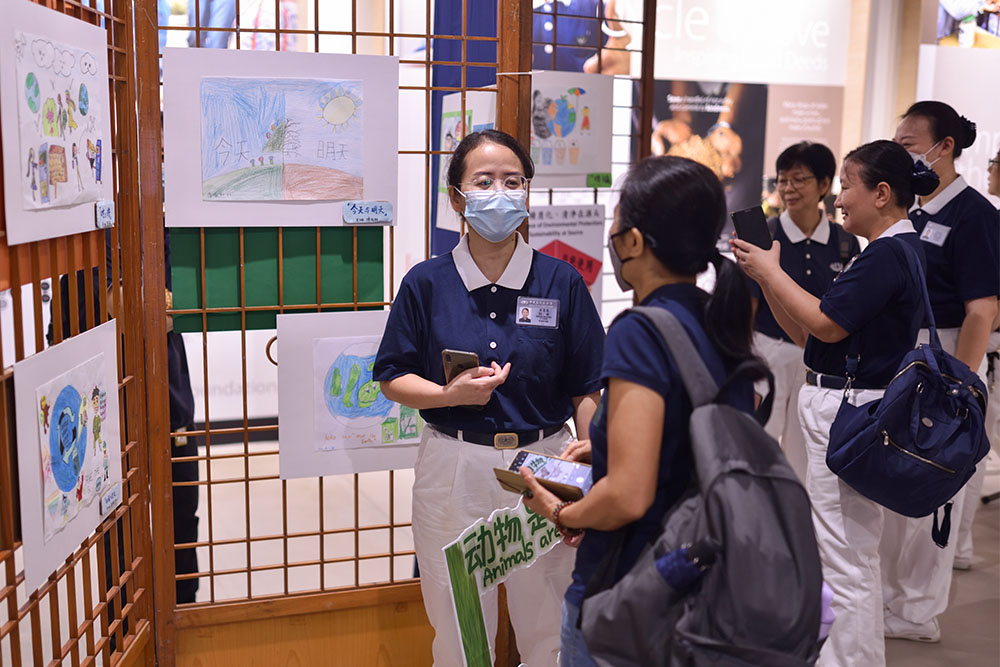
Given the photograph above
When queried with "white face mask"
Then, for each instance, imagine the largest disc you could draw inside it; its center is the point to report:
(922, 157)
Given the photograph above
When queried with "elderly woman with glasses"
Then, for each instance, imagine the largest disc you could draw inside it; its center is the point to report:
(534, 373)
(813, 252)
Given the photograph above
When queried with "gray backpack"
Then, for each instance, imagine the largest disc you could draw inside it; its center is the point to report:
(746, 524)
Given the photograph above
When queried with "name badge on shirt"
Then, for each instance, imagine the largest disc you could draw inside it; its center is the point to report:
(532, 312)
(935, 233)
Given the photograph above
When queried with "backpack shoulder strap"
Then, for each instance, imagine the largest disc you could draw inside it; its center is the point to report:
(843, 242)
(698, 381)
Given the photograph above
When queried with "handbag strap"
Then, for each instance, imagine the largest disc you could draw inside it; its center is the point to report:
(918, 277)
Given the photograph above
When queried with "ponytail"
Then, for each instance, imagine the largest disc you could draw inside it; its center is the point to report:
(729, 313)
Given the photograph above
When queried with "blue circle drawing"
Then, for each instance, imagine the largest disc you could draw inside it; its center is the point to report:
(350, 391)
(31, 91)
(83, 100)
(67, 439)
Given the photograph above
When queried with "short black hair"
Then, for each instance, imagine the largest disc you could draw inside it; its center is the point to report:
(945, 122)
(473, 140)
(885, 161)
(817, 158)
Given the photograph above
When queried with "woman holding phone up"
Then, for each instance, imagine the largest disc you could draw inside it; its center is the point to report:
(536, 370)
(876, 303)
(669, 216)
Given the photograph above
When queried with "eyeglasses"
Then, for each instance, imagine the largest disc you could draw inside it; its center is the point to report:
(794, 182)
(994, 162)
(488, 183)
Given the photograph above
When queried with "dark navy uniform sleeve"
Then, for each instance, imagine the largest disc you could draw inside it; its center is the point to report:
(974, 257)
(862, 292)
(635, 352)
(584, 343)
(400, 350)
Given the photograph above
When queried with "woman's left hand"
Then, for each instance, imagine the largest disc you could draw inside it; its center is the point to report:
(756, 262)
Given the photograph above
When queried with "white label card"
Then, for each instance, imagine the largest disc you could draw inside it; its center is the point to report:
(104, 211)
(935, 233)
(532, 312)
(111, 499)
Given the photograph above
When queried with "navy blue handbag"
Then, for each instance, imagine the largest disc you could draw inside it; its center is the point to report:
(915, 448)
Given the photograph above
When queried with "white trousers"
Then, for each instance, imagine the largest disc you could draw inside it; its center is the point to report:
(916, 573)
(785, 361)
(848, 528)
(974, 487)
(453, 486)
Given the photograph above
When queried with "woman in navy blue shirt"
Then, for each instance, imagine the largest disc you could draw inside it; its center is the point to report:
(960, 235)
(813, 251)
(669, 216)
(534, 373)
(876, 304)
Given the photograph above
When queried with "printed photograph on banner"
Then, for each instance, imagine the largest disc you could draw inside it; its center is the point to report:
(571, 123)
(718, 124)
(75, 459)
(350, 410)
(574, 234)
(287, 139)
(68, 446)
(968, 24)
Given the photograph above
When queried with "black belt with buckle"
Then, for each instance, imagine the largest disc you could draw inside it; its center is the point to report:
(505, 440)
(835, 382)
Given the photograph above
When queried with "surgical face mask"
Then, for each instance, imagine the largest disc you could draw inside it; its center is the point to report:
(922, 157)
(617, 262)
(495, 214)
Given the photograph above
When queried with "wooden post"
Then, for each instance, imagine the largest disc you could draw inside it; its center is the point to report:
(513, 82)
(647, 82)
(154, 326)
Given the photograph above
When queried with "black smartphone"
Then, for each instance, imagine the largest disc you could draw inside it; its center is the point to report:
(569, 480)
(457, 361)
(751, 226)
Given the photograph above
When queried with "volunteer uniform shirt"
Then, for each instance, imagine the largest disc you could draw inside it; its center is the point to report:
(447, 303)
(812, 262)
(636, 352)
(961, 239)
(878, 300)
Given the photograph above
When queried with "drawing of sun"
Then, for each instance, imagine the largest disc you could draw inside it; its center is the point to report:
(338, 107)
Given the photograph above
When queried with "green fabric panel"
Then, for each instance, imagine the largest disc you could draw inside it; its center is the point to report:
(260, 253)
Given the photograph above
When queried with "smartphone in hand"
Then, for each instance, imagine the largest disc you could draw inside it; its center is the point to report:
(456, 361)
(569, 480)
(751, 226)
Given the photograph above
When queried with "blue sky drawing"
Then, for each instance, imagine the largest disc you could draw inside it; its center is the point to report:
(237, 113)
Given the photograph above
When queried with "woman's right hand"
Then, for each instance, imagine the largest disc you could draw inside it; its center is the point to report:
(578, 450)
(475, 386)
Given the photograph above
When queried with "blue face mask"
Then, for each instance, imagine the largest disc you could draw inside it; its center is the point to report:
(495, 214)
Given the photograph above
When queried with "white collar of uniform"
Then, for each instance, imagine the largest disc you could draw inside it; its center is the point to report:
(903, 226)
(514, 276)
(820, 235)
(934, 206)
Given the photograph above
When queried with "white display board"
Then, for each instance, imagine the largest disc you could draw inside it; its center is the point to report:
(753, 41)
(332, 418)
(255, 138)
(56, 122)
(943, 74)
(68, 446)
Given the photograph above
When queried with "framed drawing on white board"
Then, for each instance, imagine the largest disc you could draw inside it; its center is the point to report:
(332, 416)
(56, 122)
(248, 144)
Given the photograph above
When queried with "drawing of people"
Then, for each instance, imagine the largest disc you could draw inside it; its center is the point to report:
(104, 405)
(32, 172)
(44, 405)
(97, 431)
(76, 168)
(79, 489)
(70, 108)
(62, 117)
(585, 127)
(91, 154)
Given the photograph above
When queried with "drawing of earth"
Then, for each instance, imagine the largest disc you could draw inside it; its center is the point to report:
(349, 391)
(83, 100)
(67, 439)
(562, 117)
(31, 91)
